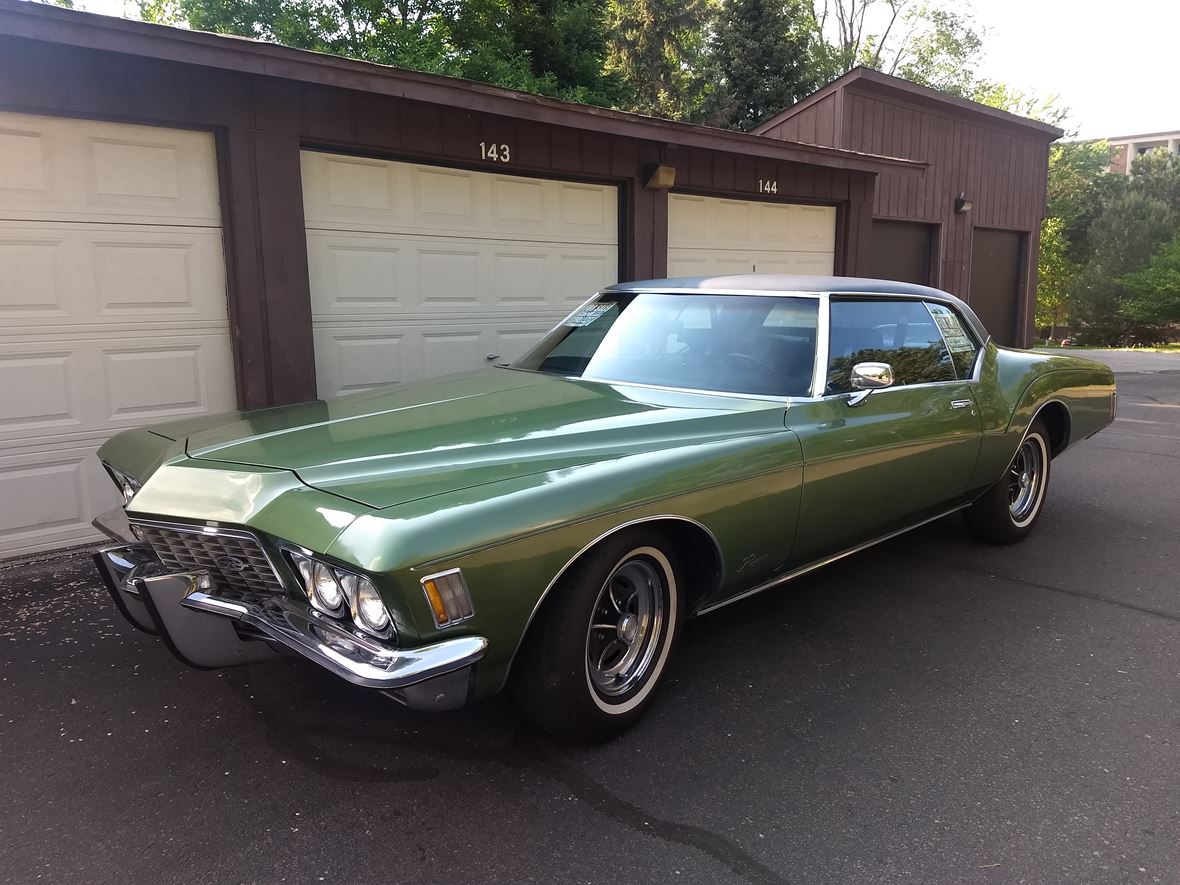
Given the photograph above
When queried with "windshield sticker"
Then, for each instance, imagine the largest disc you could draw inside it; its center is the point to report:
(588, 314)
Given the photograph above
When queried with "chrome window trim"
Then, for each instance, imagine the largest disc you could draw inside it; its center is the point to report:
(823, 337)
(672, 290)
(976, 368)
(822, 341)
(196, 529)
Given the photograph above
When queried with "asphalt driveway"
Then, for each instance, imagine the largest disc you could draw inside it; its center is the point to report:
(928, 711)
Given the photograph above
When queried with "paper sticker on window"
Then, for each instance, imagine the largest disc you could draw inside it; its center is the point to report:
(586, 315)
(952, 332)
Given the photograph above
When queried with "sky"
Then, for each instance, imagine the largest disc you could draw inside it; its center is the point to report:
(1112, 63)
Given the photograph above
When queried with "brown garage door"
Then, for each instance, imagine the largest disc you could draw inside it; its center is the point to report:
(902, 251)
(995, 281)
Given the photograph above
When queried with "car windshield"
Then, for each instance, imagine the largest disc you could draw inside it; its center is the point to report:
(751, 344)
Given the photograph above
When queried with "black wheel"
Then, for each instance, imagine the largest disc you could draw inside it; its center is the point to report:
(1008, 510)
(595, 654)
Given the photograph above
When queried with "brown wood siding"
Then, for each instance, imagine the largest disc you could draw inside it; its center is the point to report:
(818, 123)
(1002, 172)
(262, 122)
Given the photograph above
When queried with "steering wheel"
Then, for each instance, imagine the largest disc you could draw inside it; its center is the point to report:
(744, 362)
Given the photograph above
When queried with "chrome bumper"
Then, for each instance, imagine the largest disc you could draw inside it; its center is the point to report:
(207, 631)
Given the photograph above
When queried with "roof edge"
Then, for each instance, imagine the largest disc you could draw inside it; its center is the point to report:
(52, 24)
(887, 83)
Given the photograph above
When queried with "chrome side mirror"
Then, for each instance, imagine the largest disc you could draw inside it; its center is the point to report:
(867, 377)
(872, 376)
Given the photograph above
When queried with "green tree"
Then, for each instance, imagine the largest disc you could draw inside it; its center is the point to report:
(1153, 291)
(940, 48)
(553, 47)
(1054, 277)
(935, 43)
(657, 48)
(1122, 239)
(1079, 189)
(1157, 174)
(764, 55)
(1026, 103)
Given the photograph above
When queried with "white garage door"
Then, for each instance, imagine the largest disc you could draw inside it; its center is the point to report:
(112, 308)
(715, 235)
(419, 271)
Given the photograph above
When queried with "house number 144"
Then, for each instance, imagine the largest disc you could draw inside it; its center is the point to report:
(768, 185)
(497, 153)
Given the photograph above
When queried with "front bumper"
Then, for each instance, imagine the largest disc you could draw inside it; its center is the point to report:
(207, 631)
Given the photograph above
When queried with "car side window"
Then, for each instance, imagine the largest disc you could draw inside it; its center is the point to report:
(959, 340)
(901, 333)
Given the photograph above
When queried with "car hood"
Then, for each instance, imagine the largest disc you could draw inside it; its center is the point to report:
(397, 444)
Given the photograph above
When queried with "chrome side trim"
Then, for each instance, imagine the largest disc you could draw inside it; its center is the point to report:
(625, 525)
(357, 659)
(827, 560)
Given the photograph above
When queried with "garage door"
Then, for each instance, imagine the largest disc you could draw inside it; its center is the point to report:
(901, 251)
(996, 258)
(418, 271)
(714, 235)
(112, 308)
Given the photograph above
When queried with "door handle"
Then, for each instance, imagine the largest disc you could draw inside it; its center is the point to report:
(960, 403)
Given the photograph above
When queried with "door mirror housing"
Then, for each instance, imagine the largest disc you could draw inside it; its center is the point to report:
(872, 376)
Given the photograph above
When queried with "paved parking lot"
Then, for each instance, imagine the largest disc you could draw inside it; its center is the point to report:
(928, 711)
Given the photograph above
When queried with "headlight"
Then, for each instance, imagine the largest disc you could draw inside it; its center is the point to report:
(325, 589)
(341, 593)
(127, 483)
(369, 608)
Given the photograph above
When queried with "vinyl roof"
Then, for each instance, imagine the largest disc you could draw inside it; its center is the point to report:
(787, 284)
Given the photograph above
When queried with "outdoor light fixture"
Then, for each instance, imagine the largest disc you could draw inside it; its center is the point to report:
(662, 178)
(962, 204)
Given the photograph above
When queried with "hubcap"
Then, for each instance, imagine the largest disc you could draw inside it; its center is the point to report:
(625, 626)
(1025, 478)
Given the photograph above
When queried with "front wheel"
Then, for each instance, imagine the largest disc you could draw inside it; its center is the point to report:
(596, 653)
(1008, 510)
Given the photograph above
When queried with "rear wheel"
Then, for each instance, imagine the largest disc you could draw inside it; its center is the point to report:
(596, 653)
(1008, 511)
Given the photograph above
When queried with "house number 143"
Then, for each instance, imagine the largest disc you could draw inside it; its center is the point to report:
(497, 153)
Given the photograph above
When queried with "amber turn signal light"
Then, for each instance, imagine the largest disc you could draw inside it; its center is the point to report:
(449, 599)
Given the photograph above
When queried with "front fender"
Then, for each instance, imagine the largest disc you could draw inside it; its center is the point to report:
(511, 539)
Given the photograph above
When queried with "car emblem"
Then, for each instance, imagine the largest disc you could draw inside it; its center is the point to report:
(231, 564)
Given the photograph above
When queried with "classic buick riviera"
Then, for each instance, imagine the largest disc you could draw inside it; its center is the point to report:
(671, 447)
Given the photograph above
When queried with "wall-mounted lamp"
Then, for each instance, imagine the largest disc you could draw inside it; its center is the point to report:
(662, 178)
(962, 204)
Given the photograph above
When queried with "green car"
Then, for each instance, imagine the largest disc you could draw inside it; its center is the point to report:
(547, 525)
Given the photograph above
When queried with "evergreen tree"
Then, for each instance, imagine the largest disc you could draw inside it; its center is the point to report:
(553, 47)
(656, 47)
(764, 53)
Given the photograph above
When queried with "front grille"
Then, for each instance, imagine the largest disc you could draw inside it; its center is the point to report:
(217, 552)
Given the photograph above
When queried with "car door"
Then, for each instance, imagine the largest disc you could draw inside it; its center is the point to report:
(879, 463)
